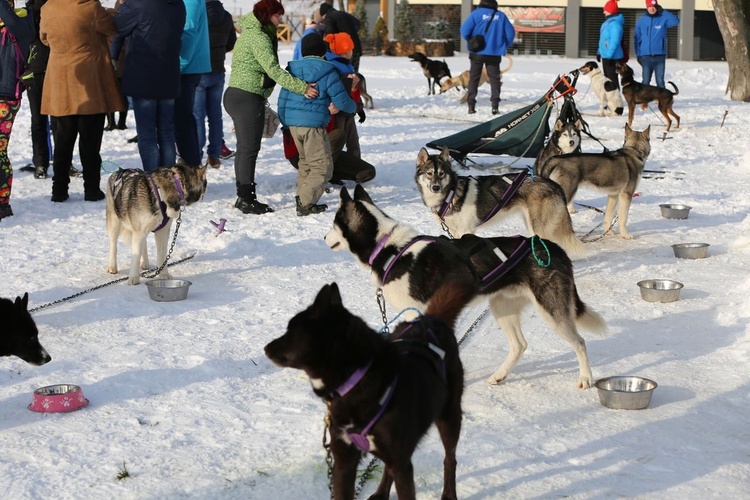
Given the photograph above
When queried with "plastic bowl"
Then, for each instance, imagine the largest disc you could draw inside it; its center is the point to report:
(691, 250)
(660, 290)
(58, 399)
(168, 290)
(625, 392)
(671, 211)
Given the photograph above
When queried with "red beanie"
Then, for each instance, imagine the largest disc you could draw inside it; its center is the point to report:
(650, 3)
(611, 7)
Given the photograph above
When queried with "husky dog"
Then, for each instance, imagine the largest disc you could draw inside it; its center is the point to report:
(383, 394)
(615, 173)
(566, 138)
(363, 94)
(464, 204)
(139, 203)
(605, 90)
(507, 272)
(19, 334)
(639, 93)
(462, 80)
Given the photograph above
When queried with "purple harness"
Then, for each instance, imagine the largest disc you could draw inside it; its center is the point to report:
(501, 202)
(506, 262)
(162, 206)
(392, 260)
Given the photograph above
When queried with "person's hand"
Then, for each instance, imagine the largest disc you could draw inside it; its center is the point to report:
(311, 92)
(598, 58)
(362, 116)
(332, 109)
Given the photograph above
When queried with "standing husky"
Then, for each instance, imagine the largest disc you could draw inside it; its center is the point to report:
(566, 138)
(19, 335)
(605, 90)
(140, 202)
(507, 272)
(382, 394)
(464, 204)
(616, 173)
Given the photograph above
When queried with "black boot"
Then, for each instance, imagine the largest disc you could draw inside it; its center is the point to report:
(248, 203)
(309, 209)
(122, 120)
(472, 110)
(110, 122)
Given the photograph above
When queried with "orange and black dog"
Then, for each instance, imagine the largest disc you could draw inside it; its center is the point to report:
(638, 93)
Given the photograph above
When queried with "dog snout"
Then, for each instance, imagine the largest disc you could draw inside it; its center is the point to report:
(435, 188)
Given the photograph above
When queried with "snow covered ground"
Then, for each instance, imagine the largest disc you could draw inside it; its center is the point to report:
(183, 398)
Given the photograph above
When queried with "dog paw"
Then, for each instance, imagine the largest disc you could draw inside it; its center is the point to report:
(112, 270)
(626, 236)
(585, 383)
(609, 234)
(134, 280)
(496, 379)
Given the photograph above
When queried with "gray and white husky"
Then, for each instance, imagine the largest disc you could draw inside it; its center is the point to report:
(465, 203)
(615, 173)
(509, 273)
(565, 139)
(140, 202)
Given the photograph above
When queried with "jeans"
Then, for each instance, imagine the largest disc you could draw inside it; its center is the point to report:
(185, 128)
(653, 65)
(154, 123)
(208, 104)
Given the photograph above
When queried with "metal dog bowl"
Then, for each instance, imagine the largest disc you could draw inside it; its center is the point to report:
(168, 290)
(660, 290)
(625, 393)
(670, 211)
(691, 250)
(58, 398)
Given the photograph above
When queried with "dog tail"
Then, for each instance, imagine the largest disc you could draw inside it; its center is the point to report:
(449, 300)
(676, 90)
(588, 319)
(567, 239)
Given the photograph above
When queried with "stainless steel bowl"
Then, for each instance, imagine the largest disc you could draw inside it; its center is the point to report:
(691, 250)
(625, 392)
(671, 211)
(168, 290)
(660, 290)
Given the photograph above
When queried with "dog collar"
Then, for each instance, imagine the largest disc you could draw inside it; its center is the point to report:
(180, 191)
(446, 203)
(353, 380)
(379, 247)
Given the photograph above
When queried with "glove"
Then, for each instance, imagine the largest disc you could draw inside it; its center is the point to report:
(598, 58)
(362, 116)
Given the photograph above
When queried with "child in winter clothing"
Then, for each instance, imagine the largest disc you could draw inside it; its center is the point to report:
(307, 119)
(340, 50)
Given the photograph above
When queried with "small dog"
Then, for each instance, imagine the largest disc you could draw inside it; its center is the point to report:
(462, 80)
(434, 70)
(139, 203)
(565, 139)
(605, 90)
(410, 268)
(383, 394)
(616, 173)
(465, 203)
(20, 336)
(638, 93)
(362, 86)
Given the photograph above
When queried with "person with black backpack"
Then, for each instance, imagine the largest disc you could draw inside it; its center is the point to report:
(335, 21)
(17, 32)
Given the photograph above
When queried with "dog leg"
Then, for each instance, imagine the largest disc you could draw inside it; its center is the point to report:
(507, 314)
(113, 229)
(622, 214)
(403, 476)
(384, 488)
(345, 460)
(162, 239)
(449, 427)
(609, 214)
(137, 243)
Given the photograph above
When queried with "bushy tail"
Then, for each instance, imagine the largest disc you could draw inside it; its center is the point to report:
(589, 320)
(676, 90)
(449, 300)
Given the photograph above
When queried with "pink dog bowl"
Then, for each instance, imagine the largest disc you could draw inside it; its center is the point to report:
(58, 398)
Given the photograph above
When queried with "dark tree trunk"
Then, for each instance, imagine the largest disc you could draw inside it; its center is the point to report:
(733, 17)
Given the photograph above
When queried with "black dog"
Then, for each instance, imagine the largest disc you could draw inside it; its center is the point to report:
(383, 394)
(20, 337)
(637, 93)
(432, 69)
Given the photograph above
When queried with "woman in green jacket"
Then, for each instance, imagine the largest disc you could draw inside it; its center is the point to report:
(255, 72)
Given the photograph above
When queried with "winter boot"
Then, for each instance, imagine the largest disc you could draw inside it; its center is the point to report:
(40, 172)
(248, 203)
(309, 209)
(110, 122)
(122, 120)
(472, 109)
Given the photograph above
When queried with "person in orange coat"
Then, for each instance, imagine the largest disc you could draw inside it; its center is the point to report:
(84, 88)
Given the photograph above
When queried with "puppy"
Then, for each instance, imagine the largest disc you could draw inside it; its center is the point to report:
(140, 202)
(616, 173)
(383, 394)
(362, 86)
(605, 90)
(462, 80)
(566, 138)
(20, 336)
(638, 93)
(434, 70)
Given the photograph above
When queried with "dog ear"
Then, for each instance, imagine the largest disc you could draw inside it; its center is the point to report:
(558, 125)
(361, 195)
(327, 296)
(22, 303)
(422, 157)
(647, 133)
(344, 194)
(445, 155)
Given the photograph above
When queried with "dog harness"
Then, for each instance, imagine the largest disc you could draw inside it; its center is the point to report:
(126, 172)
(500, 202)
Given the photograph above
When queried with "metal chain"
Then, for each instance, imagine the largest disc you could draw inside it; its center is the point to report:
(327, 447)
(381, 304)
(171, 247)
(445, 228)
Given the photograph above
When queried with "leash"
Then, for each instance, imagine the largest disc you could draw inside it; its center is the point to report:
(118, 280)
(599, 210)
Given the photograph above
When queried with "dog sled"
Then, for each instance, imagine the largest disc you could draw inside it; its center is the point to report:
(521, 133)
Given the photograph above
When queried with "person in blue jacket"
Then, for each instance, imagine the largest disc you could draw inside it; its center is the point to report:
(307, 120)
(610, 41)
(151, 73)
(651, 41)
(498, 36)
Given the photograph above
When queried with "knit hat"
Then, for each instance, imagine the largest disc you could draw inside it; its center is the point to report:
(313, 45)
(650, 3)
(324, 8)
(611, 7)
(340, 43)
